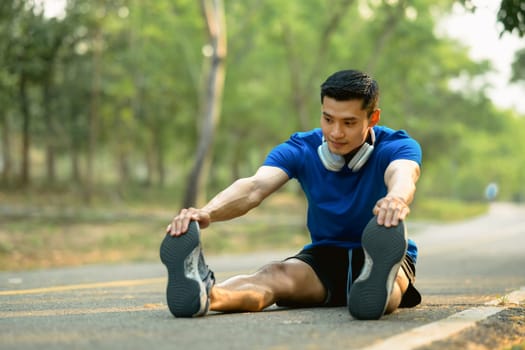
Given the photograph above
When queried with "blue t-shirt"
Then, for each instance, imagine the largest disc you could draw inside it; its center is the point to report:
(340, 203)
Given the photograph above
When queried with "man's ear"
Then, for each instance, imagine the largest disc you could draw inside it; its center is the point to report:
(374, 118)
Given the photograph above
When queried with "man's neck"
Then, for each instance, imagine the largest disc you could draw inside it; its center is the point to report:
(352, 153)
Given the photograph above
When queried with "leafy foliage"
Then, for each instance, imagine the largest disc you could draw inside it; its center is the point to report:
(512, 15)
(122, 79)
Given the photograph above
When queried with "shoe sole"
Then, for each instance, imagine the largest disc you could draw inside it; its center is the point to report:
(186, 294)
(384, 250)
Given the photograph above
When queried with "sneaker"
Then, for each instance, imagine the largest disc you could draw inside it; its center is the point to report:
(189, 278)
(384, 248)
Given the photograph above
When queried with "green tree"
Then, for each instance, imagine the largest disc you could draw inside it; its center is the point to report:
(518, 66)
(116, 88)
(25, 61)
(9, 12)
(512, 15)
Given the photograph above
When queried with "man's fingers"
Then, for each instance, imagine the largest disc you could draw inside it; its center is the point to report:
(380, 216)
(389, 211)
(180, 223)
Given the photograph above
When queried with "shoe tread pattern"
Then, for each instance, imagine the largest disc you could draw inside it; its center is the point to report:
(182, 293)
(386, 247)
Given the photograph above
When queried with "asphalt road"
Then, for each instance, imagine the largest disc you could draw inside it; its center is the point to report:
(462, 266)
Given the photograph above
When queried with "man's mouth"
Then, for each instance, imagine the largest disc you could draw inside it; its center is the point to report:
(337, 145)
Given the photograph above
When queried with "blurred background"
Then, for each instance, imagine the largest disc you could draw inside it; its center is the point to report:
(114, 114)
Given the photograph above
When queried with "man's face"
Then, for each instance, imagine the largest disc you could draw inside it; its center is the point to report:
(345, 125)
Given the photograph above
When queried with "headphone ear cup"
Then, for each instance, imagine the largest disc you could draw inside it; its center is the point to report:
(361, 157)
(332, 162)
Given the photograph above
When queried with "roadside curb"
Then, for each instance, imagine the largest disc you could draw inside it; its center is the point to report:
(442, 329)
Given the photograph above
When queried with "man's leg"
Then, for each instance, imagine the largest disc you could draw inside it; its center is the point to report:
(291, 281)
(191, 289)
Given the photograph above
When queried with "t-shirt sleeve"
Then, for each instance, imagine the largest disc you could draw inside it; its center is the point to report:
(287, 156)
(405, 148)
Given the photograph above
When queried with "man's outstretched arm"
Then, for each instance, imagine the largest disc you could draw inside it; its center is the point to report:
(236, 200)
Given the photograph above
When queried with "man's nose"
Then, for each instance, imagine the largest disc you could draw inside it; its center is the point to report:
(337, 131)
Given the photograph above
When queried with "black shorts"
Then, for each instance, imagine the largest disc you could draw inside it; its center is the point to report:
(331, 266)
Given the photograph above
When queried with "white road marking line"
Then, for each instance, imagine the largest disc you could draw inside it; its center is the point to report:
(449, 326)
(516, 297)
(439, 330)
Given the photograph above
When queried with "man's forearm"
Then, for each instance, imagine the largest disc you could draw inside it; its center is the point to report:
(234, 201)
(245, 194)
(405, 191)
(401, 180)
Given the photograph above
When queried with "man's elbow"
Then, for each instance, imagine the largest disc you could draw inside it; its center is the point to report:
(254, 195)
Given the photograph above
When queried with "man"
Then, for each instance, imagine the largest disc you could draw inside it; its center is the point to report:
(359, 179)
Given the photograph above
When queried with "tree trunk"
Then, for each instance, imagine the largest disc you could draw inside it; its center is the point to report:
(51, 137)
(150, 165)
(75, 165)
(26, 124)
(74, 142)
(6, 147)
(93, 115)
(123, 167)
(160, 150)
(213, 11)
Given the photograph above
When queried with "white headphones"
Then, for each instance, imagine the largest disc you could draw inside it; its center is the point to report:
(335, 162)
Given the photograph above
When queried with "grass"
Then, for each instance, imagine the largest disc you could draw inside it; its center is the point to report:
(39, 230)
(436, 209)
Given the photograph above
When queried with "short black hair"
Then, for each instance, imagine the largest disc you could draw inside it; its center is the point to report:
(352, 85)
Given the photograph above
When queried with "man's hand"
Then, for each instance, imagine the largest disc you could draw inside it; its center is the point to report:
(390, 210)
(179, 224)
(400, 178)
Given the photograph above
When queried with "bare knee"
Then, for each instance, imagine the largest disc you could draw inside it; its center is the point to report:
(273, 271)
(293, 281)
